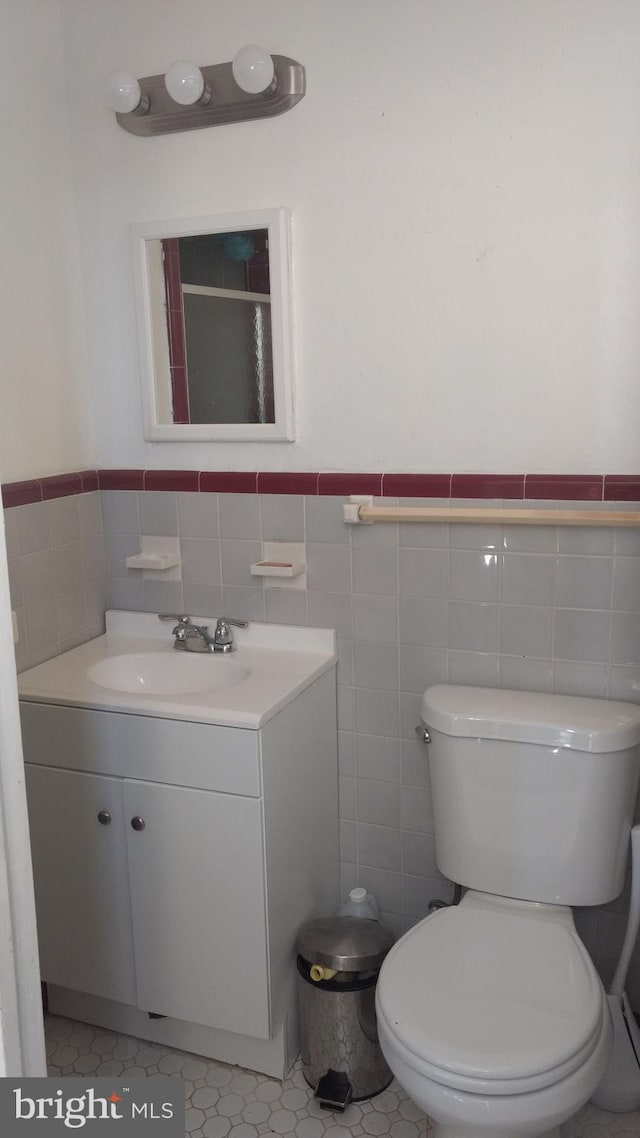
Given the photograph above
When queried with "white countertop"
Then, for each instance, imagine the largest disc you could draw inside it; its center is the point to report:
(282, 661)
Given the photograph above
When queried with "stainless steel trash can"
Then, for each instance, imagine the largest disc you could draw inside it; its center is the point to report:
(338, 964)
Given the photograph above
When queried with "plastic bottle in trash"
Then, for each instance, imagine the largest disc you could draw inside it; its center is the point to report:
(360, 904)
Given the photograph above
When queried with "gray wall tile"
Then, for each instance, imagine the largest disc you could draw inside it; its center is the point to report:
(34, 527)
(626, 584)
(473, 576)
(282, 517)
(90, 514)
(201, 561)
(64, 518)
(526, 630)
(376, 713)
(375, 618)
(526, 674)
(424, 572)
(378, 802)
(198, 515)
(420, 667)
(582, 635)
(202, 600)
(527, 579)
(328, 568)
(473, 627)
(377, 758)
(378, 846)
(240, 516)
(583, 582)
(158, 512)
(480, 669)
(375, 570)
(243, 603)
(324, 520)
(530, 539)
(576, 678)
(120, 511)
(237, 559)
(423, 620)
(330, 610)
(375, 665)
(283, 606)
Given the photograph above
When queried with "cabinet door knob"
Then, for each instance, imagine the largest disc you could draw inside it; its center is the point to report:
(138, 823)
(104, 818)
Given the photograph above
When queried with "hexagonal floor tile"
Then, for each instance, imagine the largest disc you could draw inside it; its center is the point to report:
(227, 1102)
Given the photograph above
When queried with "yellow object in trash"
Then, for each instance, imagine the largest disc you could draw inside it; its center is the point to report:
(319, 972)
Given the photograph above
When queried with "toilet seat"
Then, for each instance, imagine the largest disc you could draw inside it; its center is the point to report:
(493, 996)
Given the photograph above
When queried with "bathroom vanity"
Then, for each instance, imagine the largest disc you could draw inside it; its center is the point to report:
(181, 837)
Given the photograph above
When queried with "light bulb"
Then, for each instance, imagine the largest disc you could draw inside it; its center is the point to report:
(184, 82)
(253, 69)
(123, 92)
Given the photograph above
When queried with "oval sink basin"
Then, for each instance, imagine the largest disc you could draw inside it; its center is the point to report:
(164, 673)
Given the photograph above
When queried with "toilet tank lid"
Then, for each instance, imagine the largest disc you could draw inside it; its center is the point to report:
(595, 725)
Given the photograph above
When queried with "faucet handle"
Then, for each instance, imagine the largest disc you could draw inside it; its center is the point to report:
(174, 616)
(236, 623)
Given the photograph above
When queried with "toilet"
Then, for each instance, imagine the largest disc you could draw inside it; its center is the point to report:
(490, 1013)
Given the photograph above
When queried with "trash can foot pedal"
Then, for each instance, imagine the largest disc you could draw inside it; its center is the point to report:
(334, 1091)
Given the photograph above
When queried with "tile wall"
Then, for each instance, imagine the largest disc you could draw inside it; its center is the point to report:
(56, 562)
(542, 608)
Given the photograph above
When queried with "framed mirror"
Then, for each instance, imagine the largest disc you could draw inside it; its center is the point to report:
(214, 320)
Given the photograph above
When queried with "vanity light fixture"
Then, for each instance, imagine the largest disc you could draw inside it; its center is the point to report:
(256, 85)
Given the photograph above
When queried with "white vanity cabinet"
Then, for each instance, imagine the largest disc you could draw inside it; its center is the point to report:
(80, 875)
(152, 895)
(198, 905)
(174, 863)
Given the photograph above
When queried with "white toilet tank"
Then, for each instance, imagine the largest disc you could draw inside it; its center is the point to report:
(533, 795)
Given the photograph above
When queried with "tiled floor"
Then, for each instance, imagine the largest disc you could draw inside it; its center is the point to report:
(228, 1102)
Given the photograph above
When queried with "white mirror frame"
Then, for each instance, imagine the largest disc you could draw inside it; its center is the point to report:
(277, 222)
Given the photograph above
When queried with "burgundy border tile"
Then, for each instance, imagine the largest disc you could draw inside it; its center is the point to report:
(487, 485)
(565, 487)
(60, 485)
(21, 493)
(416, 485)
(277, 482)
(350, 484)
(121, 479)
(622, 488)
(228, 482)
(171, 480)
(89, 479)
(561, 487)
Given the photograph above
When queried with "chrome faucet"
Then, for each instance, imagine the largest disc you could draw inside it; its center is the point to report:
(191, 637)
(223, 636)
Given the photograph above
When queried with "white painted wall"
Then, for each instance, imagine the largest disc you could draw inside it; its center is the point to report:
(465, 182)
(44, 425)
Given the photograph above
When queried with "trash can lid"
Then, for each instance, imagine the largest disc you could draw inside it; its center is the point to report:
(348, 944)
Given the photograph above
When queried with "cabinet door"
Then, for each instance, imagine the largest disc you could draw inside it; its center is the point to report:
(81, 881)
(198, 905)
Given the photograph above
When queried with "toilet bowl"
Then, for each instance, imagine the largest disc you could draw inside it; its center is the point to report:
(490, 1013)
(493, 1019)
